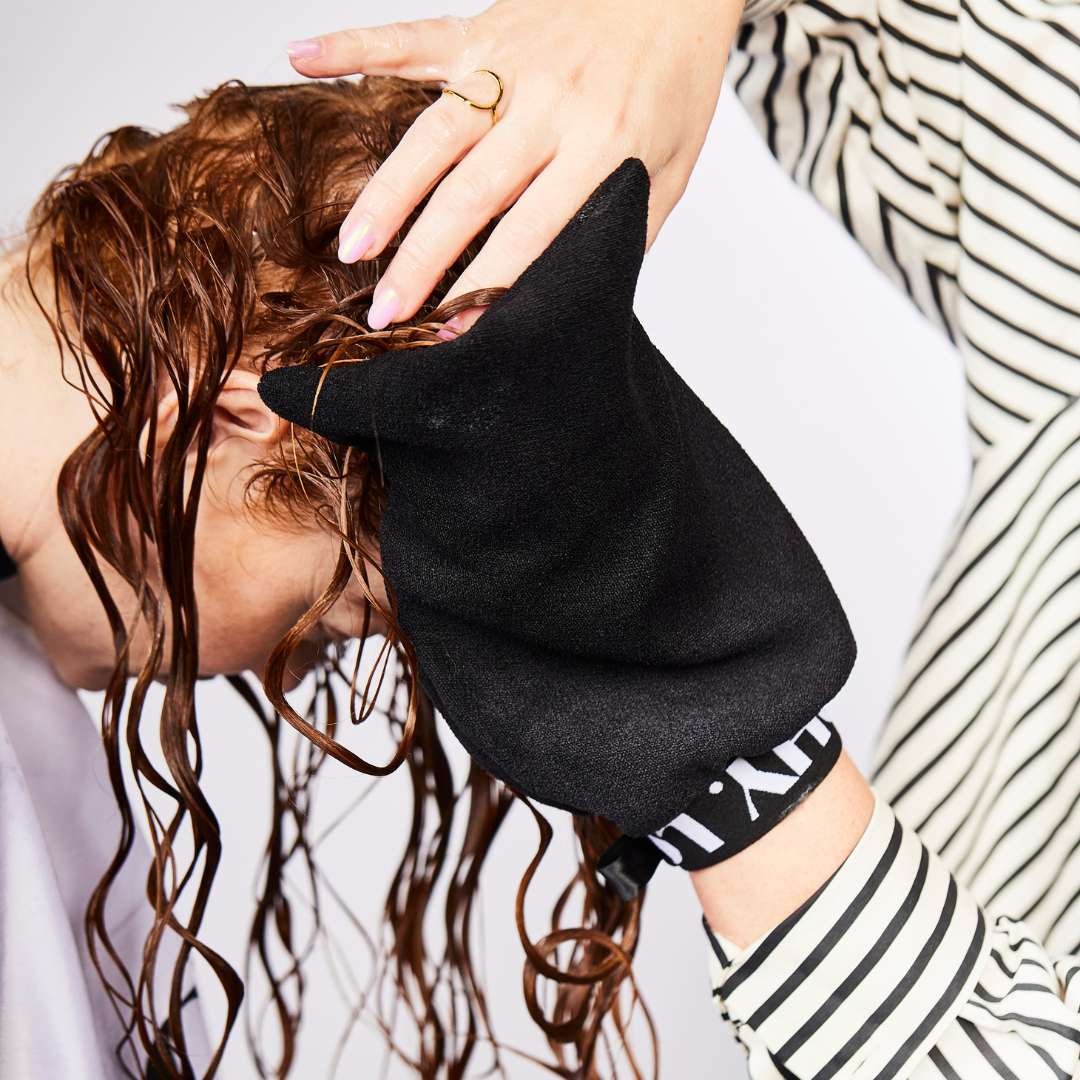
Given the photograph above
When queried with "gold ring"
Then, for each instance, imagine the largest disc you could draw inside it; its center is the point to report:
(476, 104)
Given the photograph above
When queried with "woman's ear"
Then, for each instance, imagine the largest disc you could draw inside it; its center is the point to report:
(239, 414)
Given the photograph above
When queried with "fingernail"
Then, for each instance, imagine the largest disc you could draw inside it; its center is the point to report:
(466, 320)
(452, 328)
(305, 49)
(355, 238)
(387, 304)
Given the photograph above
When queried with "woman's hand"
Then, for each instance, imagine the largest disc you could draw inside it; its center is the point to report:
(585, 86)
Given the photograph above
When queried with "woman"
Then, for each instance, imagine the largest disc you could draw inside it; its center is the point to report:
(946, 139)
(132, 546)
(163, 524)
(163, 527)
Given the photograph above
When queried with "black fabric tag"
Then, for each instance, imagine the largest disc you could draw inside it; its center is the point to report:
(749, 797)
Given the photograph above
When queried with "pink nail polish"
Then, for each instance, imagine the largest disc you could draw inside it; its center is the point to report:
(356, 237)
(386, 305)
(304, 49)
(446, 335)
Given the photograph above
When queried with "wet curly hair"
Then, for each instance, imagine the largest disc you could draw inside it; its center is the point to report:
(167, 259)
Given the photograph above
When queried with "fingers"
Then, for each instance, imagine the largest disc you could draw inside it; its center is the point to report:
(437, 138)
(546, 206)
(526, 230)
(423, 49)
(487, 180)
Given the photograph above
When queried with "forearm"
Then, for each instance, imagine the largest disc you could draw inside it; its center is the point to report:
(749, 893)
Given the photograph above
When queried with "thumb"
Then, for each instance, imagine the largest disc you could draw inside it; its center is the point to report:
(421, 49)
(333, 402)
(401, 396)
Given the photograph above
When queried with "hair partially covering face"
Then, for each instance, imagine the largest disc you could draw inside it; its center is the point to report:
(216, 241)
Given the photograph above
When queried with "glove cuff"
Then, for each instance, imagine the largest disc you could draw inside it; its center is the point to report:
(750, 797)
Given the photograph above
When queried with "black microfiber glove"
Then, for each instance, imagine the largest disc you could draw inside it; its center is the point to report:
(609, 603)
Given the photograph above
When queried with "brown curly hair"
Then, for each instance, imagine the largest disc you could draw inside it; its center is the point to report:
(175, 257)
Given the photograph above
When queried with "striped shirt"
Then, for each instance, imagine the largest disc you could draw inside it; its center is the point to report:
(945, 136)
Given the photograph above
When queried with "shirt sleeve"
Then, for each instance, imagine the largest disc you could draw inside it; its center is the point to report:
(892, 969)
(861, 103)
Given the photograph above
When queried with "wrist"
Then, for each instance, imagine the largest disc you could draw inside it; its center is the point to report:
(754, 890)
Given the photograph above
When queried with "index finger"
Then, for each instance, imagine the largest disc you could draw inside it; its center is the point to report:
(422, 49)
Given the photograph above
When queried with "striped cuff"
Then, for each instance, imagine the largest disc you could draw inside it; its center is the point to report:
(865, 975)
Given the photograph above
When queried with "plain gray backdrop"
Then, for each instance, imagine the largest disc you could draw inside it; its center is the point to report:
(848, 401)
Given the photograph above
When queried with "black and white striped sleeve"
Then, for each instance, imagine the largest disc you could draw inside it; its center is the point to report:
(893, 970)
(944, 136)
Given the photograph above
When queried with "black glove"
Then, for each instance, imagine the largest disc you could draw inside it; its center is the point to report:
(608, 602)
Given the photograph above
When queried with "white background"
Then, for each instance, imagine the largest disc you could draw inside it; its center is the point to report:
(847, 401)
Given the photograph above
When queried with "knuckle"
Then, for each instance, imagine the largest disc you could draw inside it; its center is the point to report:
(384, 195)
(547, 86)
(519, 141)
(470, 194)
(398, 37)
(523, 232)
(440, 124)
(592, 161)
(455, 24)
(418, 257)
(573, 78)
(380, 42)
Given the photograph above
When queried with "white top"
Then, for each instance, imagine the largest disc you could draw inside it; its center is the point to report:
(58, 828)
